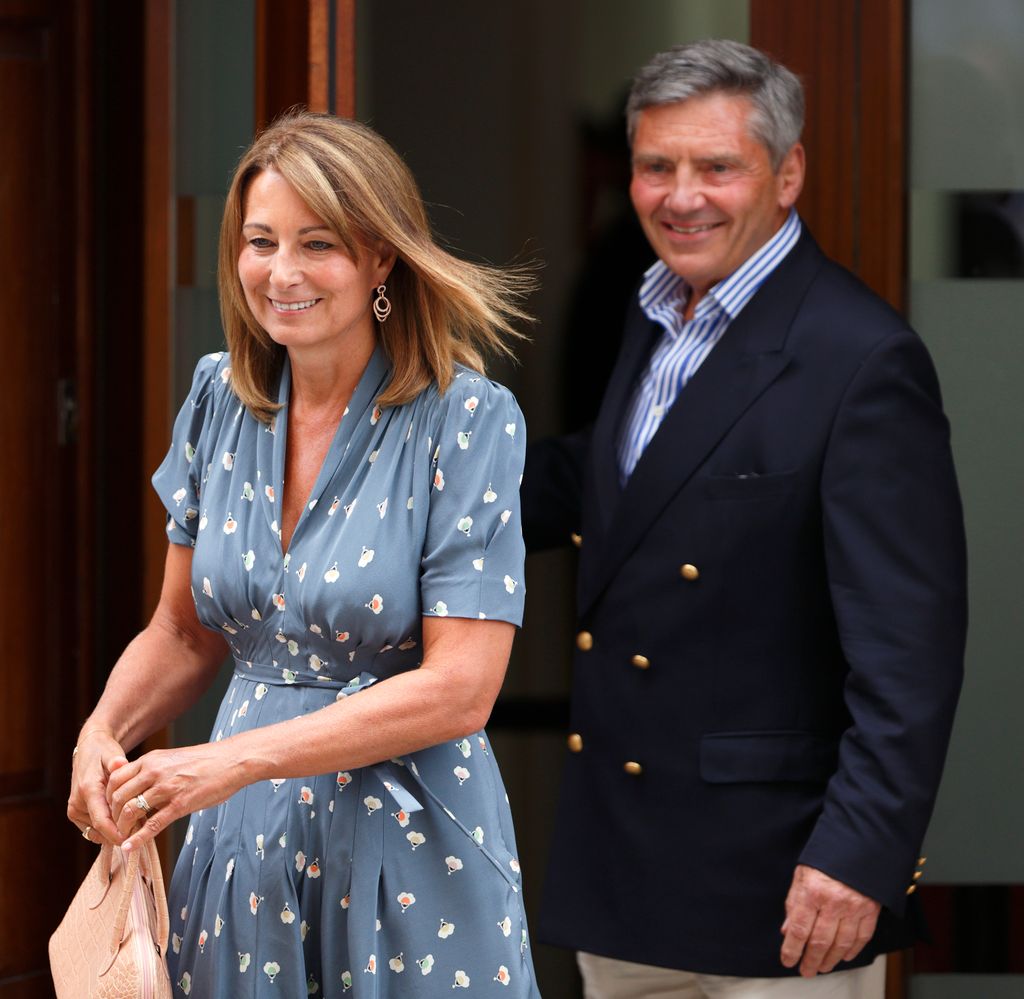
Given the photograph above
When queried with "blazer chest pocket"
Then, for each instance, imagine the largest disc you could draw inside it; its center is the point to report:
(736, 757)
(750, 485)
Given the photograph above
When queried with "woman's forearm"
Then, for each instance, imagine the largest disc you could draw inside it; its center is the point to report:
(161, 673)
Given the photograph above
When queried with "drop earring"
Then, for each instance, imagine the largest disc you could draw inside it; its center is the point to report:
(381, 305)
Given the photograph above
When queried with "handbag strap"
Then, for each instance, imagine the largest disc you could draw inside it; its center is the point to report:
(131, 870)
(163, 922)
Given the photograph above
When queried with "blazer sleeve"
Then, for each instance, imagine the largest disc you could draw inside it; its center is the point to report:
(896, 563)
(552, 489)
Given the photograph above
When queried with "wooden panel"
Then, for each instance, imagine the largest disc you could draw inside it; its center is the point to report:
(850, 56)
(345, 58)
(305, 55)
(282, 58)
(44, 204)
(883, 148)
(319, 47)
(158, 306)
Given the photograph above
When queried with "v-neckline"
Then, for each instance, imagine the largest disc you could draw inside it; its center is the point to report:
(368, 388)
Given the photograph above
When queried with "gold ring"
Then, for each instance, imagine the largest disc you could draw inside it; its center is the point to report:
(86, 832)
(141, 802)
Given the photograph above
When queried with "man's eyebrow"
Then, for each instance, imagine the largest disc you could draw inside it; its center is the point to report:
(719, 158)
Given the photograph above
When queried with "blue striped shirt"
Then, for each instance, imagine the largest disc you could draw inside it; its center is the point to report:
(685, 344)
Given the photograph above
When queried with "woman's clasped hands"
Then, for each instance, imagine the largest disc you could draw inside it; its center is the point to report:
(126, 803)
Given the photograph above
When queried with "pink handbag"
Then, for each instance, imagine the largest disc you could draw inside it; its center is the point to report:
(112, 941)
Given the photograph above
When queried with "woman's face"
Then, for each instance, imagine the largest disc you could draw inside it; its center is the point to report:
(301, 285)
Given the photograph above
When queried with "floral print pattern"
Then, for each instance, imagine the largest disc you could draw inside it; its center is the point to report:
(387, 881)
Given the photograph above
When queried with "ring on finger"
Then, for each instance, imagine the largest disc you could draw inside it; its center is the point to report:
(87, 833)
(140, 802)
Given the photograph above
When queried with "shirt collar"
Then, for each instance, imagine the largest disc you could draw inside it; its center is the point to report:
(663, 289)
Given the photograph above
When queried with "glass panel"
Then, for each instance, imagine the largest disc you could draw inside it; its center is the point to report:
(214, 120)
(214, 86)
(973, 331)
(967, 222)
(967, 132)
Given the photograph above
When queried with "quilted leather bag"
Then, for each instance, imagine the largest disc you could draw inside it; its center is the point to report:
(112, 941)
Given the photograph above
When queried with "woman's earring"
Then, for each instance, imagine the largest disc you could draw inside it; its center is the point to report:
(381, 306)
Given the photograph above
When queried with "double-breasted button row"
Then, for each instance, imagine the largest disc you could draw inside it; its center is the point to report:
(585, 642)
(575, 744)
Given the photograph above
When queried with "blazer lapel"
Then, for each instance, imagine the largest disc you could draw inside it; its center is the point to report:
(603, 470)
(742, 365)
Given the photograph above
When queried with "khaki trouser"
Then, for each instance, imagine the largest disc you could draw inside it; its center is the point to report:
(606, 978)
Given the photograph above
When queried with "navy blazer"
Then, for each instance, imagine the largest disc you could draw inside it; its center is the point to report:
(772, 619)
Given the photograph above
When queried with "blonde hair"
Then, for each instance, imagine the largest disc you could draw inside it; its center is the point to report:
(445, 310)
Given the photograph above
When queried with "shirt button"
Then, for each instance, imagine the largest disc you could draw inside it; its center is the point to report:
(641, 662)
(689, 572)
(633, 768)
(584, 641)
(575, 743)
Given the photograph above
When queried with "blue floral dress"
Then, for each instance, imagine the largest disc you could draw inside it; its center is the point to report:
(399, 879)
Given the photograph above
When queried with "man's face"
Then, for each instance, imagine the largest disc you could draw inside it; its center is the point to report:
(704, 189)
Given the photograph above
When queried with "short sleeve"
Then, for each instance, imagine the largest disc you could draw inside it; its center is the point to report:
(178, 479)
(473, 554)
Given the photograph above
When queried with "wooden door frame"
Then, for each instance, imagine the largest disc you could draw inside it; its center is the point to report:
(308, 62)
(852, 58)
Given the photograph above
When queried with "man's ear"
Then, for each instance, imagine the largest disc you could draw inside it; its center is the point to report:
(790, 176)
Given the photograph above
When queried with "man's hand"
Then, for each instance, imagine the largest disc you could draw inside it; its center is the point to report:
(826, 922)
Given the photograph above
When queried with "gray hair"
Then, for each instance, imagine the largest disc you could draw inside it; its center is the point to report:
(727, 67)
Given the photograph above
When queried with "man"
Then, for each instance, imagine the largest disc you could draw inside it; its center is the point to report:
(771, 590)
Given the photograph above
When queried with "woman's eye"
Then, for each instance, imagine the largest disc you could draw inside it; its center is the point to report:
(318, 244)
(260, 242)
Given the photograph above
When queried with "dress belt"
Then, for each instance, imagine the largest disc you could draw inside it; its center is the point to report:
(282, 676)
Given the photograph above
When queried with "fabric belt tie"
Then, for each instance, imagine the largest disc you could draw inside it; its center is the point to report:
(284, 677)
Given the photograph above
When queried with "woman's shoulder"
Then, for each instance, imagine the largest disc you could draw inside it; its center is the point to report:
(469, 392)
(211, 381)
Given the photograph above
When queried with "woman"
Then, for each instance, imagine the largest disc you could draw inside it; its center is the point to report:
(342, 492)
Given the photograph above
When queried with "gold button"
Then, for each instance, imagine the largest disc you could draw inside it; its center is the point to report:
(641, 662)
(911, 889)
(690, 572)
(921, 861)
(584, 641)
(577, 539)
(633, 768)
(575, 743)
(917, 874)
